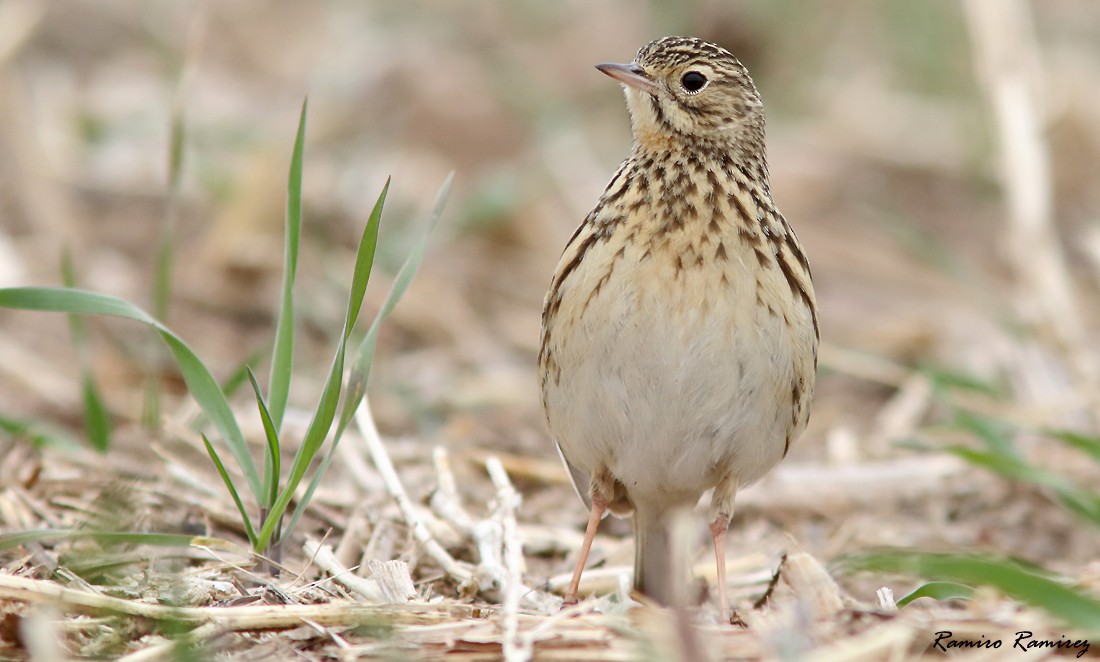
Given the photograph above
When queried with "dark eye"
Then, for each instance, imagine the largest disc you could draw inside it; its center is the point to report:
(693, 81)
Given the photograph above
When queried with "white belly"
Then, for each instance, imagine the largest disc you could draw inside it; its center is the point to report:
(673, 386)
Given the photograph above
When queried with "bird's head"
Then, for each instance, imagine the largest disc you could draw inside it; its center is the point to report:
(685, 89)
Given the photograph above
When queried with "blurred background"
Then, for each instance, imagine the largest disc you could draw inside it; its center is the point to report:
(887, 154)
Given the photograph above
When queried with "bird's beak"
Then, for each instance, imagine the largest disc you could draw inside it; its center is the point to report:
(631, 75)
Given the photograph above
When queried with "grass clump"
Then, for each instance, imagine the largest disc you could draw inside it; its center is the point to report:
(270, 490)
(991, 444)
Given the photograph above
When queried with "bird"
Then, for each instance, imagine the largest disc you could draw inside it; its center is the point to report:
(679, 336)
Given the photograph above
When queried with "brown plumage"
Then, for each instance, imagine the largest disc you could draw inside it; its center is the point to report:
(680, 332)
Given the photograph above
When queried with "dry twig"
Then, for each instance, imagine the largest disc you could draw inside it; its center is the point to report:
(516, 648)
(458, 571)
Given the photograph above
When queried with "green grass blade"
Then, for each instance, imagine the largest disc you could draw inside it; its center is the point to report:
(37, 433)
(944, 380)
(364, 261)
(938, 591)
(166, 249)
(282, 355)
(176, 141)
(239, 376)
(249, 531)
(1007, 466)
(16, 539)
(93, 566)
(200, 382)
(206, 391)
(162, 280)
(164, 263)
(97, 421)
(56, 300)
(150, 406)
(1002, 457)
(1081, 502)
(1084, 443)
(311, 444)
(364, 355)
(1011, 578)
(230, 385)
(312, 487)
(995, 434)
(357, 381)
(1085, 505)
(272, 459)
(323, 416)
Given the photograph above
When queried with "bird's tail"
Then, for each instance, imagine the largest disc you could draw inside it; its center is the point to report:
(661, 567)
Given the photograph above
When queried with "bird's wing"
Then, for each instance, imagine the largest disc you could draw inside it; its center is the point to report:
(581, 480)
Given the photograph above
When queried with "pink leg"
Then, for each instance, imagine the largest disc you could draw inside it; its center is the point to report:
(718, 532)
(599, 505)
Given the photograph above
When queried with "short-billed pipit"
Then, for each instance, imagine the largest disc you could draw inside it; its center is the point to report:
(679, 334)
